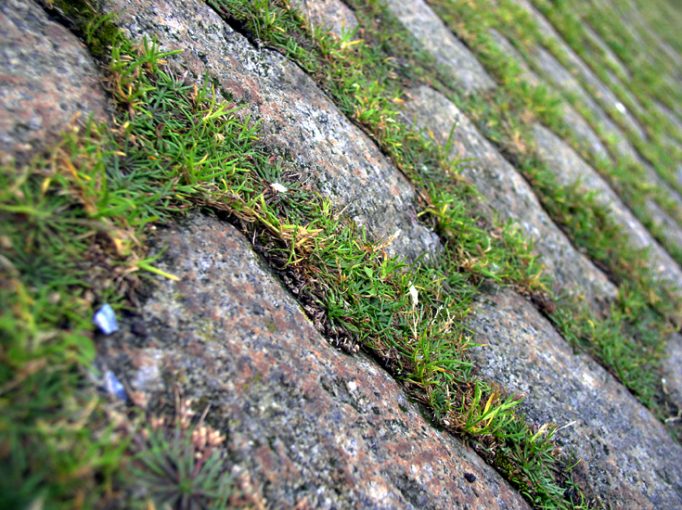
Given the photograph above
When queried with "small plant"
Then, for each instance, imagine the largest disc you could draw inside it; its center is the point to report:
(180, 466)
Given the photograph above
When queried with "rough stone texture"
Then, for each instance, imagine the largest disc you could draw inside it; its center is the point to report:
(436, 38)
(628, 459)
(568, 167)
(332, 15)
(312, 427)
(506, 191)
(47, 77)
(306, 425)
(296, 117)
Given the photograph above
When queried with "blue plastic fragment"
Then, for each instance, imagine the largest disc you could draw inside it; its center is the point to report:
(105, 320)
(113, 386)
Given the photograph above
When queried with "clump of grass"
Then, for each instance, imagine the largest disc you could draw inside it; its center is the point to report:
(181, 465)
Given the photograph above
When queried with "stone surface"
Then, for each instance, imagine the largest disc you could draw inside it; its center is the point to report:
(306, 425)
(579, 126)
(312, 427)
(333, 15)
(47, 77)
(627, 458)
(561, 78)
(296, 118)
(568, 167)
(506, 191)
(450, 52)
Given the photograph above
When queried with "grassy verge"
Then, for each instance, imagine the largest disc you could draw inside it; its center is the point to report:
(174, 148)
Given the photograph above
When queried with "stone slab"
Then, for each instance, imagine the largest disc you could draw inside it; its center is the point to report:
(568, 168)
(310, 426)
(47, 78)
(467, 73)
(572, 119)
(627, 458)
(332, 15)
(600, 89)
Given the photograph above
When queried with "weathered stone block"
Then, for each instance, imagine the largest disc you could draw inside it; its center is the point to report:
(47, 78)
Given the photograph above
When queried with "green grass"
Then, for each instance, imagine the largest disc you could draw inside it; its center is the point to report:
(472, 22)
(655, 149)
(643, 61)
(370, 74)
(175, 148)
(524, 33)
(587, 222)
(627, 342)
(618, 340)
(581, 216)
